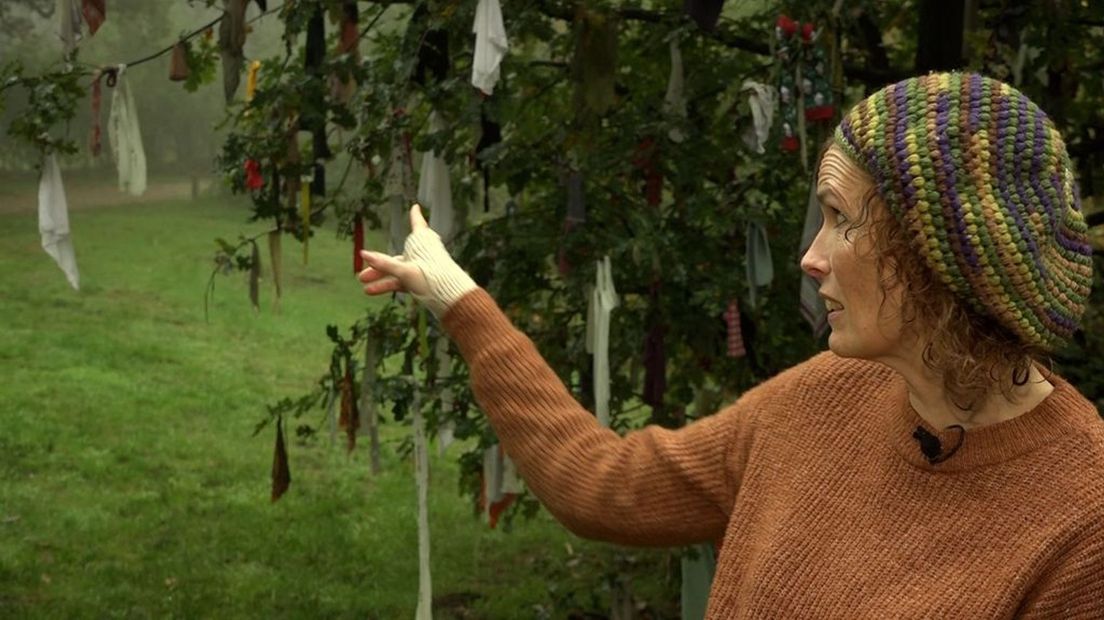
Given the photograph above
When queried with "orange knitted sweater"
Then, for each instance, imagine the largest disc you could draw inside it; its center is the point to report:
(824, 503)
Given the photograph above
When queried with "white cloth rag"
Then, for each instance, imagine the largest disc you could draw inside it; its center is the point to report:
(603, 299)
(53, 220)
(424, 610)
(675, 101)
(434, 189)
(125, 137)
(500, 478)
(490, 45)
(69, 11)
(445, 433)
(763, 101)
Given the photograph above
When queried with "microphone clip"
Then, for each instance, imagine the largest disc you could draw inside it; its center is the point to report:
(932, 448)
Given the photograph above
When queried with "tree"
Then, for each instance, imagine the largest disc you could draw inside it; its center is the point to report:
(579, 118)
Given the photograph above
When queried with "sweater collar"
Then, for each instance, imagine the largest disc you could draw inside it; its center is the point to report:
(1063, 411)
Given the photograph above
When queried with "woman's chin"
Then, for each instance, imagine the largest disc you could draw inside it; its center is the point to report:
(837, 343)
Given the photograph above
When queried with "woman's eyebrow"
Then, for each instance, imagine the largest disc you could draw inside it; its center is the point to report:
(827, 193)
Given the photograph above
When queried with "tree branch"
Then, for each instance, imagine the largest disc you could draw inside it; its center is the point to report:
(872, 76)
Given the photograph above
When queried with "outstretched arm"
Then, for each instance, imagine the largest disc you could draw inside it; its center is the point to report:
(652, 487)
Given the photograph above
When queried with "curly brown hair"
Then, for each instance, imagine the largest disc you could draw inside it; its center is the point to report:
(970, 351)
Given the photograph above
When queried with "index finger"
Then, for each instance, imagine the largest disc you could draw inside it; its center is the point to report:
(417, 220)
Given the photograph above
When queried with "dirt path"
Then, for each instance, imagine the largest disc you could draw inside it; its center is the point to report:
(21, 195)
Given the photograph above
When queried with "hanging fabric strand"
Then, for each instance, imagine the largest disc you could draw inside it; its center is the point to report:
(396, 201)
(674, 103)
(603, 301)
(594, 66)
(760, 265)
(347, 43)
(95, 140)
(231, 42)
(500, 485)
(275, 258)
(421, 468)
(69, 12)
(735, 339)
(697, 579)
(178, 63)
(53, 220)
(125, 137)
(358, 243)
(314, 118)
(305, 215)
(705, 13)
(281, 473)
(490, 45)
(434, 187)
(255, 278)
(433, 54)
(251, 80)
(444, 372)
(94, 12)
(490, 134)
(763, 101)
(400, 189)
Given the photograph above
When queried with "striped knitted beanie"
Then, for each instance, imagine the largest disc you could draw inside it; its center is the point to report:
(982, 178)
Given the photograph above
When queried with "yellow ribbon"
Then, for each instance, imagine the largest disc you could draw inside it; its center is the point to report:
(251, 80)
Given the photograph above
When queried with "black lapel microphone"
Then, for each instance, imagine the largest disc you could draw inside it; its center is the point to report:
(931, 447)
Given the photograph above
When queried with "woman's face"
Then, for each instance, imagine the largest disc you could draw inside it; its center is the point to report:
(843, 263)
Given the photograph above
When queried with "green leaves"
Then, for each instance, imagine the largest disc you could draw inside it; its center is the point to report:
(51, 100)
(202, 57)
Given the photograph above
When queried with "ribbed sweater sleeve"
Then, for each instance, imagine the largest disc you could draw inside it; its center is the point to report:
(1074, 588)
(654, 486)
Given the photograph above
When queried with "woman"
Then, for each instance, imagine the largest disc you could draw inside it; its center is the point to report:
(926, 466)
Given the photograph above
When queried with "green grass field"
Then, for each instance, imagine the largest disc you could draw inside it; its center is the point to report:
(131, 484)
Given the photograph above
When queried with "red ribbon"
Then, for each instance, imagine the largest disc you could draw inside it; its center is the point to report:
(253, 178)
(96, 139)
(94, 11)
(358, 244)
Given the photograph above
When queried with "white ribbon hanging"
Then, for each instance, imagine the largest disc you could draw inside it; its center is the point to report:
(500, 478)
(490, 45)
(444, 371)
(421, 474)
(434, 188)
(603, 299)
(53, 220)
(763, 101)
(675, 101)
(125, 138)
(397, 203)
(697, 580)
(492, 479)
(760, 264)
(69, 11)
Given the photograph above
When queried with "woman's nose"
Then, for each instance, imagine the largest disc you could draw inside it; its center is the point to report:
(815, 261)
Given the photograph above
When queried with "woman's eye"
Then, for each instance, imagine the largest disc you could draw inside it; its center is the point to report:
(838, 217)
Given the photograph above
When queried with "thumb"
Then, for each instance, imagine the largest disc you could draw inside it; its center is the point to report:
(417, 221)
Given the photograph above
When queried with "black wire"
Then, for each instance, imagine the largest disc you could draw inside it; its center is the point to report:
(197, 32)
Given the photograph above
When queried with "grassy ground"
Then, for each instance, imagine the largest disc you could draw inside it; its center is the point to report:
(130, 485)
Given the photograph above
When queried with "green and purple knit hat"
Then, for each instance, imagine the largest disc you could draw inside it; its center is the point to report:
(982, 178)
